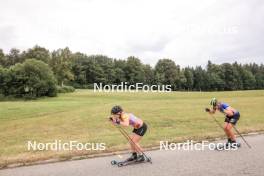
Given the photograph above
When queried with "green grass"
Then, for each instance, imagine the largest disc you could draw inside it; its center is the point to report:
(82, 116)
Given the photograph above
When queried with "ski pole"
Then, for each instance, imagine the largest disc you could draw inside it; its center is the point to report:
(234, 128)
(110, 118)
(124, 133)
(218, 123)
(127, 137)
(131, 141)
(242, 137)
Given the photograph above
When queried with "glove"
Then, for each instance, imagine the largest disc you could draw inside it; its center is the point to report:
(117, 122)
(207, 110)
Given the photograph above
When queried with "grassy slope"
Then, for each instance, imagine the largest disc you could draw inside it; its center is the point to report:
(82, 116)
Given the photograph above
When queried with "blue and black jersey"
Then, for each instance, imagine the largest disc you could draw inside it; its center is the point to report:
(223, 106)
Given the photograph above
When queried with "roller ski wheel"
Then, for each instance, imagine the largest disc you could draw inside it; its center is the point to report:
(237, 144)
(228, 146)
(114, 162)
(120, 164)
(149, 160)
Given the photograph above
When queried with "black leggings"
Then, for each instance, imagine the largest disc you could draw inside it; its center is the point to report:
(142, 130)
(233, 119)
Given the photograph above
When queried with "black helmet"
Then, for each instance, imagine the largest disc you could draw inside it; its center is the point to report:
(116, 109)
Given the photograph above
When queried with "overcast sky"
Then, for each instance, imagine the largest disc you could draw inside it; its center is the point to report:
(189, 32)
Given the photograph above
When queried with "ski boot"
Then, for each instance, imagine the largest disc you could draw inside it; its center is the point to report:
(133, 157)
(140, 158)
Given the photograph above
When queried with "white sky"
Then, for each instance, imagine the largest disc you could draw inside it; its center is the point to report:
(188, 31)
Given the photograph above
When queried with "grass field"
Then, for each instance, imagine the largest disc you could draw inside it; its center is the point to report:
(82, 116)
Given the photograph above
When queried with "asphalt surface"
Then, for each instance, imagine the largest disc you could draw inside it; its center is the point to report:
(243, 161)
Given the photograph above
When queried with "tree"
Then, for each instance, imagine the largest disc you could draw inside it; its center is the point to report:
(149, 75)
(215, 82)
(249, 80)
(3, 77)
(260, 80)
(2, 58)
(200, 79)
(14, 57)
(119, 76)
(188, 73)
(38, 53)
(119, 69)
(106, 65)
(238, 79)
(94, 73)
(79, 70)
(252, 67)
(230, 76)
(215, 77)
(166, 72)
(181, 82)
(92, 69)
(134, 71)
(61, 65)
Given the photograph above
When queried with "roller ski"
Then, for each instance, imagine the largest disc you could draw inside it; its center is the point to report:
(134, 159)
(230, 145)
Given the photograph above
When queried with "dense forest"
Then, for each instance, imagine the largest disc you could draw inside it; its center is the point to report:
(39, 72)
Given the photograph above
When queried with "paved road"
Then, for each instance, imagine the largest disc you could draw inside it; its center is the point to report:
(198, 163)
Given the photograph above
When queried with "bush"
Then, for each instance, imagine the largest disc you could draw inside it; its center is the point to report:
(29, 80)
(65, 89)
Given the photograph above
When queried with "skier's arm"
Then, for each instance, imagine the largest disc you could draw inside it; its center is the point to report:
(229, 111)
(124, 122)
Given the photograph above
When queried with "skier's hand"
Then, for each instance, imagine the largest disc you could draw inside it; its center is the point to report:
(207, 110)
(115, 121)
